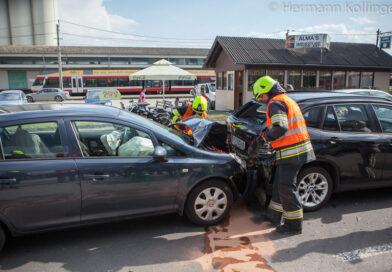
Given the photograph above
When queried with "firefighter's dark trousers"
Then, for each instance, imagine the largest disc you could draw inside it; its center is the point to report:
(285, 202)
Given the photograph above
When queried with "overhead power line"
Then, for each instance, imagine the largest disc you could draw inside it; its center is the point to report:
(132, 34)
(128, 39)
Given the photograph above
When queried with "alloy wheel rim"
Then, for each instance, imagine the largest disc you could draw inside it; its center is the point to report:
(210, 203)
(312, 189)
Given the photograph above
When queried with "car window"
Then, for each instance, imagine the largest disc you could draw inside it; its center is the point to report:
(313, 117)
(352, 117)
(32, 141)
(171, 151)
(330, 122)
(97, 139)
(384, 115)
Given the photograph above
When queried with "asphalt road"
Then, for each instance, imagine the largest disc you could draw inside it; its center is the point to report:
(352, 233)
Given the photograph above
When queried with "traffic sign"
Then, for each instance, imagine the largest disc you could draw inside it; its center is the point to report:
(385, 42)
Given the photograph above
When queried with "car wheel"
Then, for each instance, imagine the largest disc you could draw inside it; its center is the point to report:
(314, 187)
(209, 203)
(2, 237)
(58, 98)
(30, 99)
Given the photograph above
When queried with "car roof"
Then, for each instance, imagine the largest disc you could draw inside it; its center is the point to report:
(12, 91)
(26, 111)
(332, 97)
(358, 90)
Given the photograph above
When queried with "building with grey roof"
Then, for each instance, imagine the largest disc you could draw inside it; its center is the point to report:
(239, 62)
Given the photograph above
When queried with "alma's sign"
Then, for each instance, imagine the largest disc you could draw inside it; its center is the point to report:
(308, 41)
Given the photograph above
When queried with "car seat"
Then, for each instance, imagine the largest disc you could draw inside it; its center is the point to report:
(29, 144)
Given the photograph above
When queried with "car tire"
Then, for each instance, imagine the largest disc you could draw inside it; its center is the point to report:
(314, 187)
(29, 99)
(209, 203)
(2, 238)
(58, 98)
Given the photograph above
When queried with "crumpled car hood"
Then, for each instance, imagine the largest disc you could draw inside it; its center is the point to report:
(207, 133)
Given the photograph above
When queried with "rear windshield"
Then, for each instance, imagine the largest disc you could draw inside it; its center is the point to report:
(255, 112)
(9, 96)
(93, 95)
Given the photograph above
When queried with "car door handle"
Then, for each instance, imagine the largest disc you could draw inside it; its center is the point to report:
(334, 140)
(7, 181)
(97, 177)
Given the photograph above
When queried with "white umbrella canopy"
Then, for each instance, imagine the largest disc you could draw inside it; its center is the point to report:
(162, 70)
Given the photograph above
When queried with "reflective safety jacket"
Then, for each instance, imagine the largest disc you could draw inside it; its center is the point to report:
(295, 140)
(186, 111)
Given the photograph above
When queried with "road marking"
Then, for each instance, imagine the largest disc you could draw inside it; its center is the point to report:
(358, 254)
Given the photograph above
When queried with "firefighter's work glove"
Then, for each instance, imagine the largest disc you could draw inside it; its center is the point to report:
(262, 136)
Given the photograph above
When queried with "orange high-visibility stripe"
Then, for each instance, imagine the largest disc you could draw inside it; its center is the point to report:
(297, 131)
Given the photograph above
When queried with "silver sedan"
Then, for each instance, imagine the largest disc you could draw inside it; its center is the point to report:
(48, 94)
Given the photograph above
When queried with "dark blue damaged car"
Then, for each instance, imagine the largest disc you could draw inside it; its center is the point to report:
(66, 165)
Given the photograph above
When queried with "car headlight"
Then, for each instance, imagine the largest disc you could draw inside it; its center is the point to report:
(239, 160)
(108, 103)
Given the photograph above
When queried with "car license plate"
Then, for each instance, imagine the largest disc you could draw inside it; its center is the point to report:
(238, 142)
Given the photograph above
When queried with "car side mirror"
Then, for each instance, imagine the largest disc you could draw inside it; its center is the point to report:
(160, 154)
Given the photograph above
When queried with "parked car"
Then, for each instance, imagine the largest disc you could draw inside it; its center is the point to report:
(93, 97)
(209, 91)
(70, 164)
(48, 94)
(12, 97)
(351, 137)
(366, 92)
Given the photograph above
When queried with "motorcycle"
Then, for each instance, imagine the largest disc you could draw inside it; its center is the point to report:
(159, 115)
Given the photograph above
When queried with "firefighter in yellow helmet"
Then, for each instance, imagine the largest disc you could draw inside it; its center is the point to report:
(288, 135)
(198, 106)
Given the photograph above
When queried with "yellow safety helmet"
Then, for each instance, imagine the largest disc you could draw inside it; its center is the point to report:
(199, 104)
(263, 85)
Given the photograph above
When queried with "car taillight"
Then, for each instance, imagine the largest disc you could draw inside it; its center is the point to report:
(249, 143)
(66, 93)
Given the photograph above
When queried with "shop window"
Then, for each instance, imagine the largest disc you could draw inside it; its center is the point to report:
(253, 76)
(294, 79)
(339, 80)
(277, 75)
(309, 79)
(230, 81)
(353, 79)
(366, 80)
(325, 80)
(224, 83)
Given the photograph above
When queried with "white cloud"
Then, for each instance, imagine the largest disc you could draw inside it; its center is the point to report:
(95, 14)
(276, 35)
(362, 20)
(92, 13)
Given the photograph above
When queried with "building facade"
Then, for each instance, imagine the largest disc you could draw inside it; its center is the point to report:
(19, 65)
(239, 62)
(28, 22)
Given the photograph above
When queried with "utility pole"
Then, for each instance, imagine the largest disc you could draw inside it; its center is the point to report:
(59, 56)
(378, 37)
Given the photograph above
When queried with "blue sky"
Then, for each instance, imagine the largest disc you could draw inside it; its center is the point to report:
(172, 23)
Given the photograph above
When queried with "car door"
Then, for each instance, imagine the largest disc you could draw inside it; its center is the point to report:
(349, 140)
(383, 113)
(39, 186)
(118, 173)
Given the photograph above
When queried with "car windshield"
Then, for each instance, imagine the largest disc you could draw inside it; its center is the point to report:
(93, 95)
(212, 88)
(9, 96)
